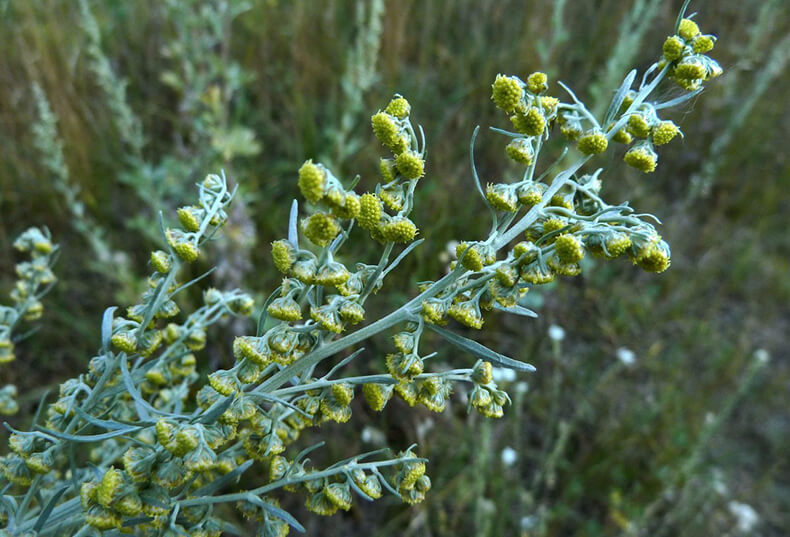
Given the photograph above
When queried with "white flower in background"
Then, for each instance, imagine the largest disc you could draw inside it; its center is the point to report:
(509, 456)
(521, 387)
(625, 355)
(371, 435)
(448, 254)
(556, 333)
(762, 356)
(503, 374)
(746, 518)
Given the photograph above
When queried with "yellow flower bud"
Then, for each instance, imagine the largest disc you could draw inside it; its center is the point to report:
(312, 181)
(502, 197)
(466, 313)
(388, 170)
(399, 108)
(332, 274)
(531, 194)
(189, 218)
(407, 391)
(369, 211)
(386, 130)
(622, 136)
(124, 341)
(703, 43)
(483, 373)
(653, 257)
(343, 393)
(549, 104)
(568, 248)
(690, 69)
(285, 309)
(664, 132)
(533, 122)
(506, 92)
(182, 246)
(377, 395)
(161, 261)
(224, 382)
(641, 157)
(638, 126)
(673, 48)
(327, 317)
(688, 29)
(399, 229)
(593, 142)
(410, 165)
(537, 82)
(319, 504)
(109, 487)
(434, 310)
(352, 312)
(519, 151)
(617, 244)
(320, 228)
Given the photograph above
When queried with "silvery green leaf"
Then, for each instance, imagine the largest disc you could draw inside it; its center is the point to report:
(285, 516)
(406, 251)
(619, 97)
(479, 350)
(91, 437)
(517, 310)
(106, 327)
(220, 482)
(293, 234)
(42, 518)
(678, 100)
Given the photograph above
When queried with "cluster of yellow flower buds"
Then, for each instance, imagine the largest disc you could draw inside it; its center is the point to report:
(644, 130)
(34, 279)
(531, 112)
(685, 53)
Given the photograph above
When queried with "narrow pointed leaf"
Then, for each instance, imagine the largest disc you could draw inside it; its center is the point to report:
(479, 350)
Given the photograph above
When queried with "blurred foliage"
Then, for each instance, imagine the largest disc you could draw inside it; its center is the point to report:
(660, 447)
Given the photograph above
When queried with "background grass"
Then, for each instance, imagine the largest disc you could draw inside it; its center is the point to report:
(658, 448)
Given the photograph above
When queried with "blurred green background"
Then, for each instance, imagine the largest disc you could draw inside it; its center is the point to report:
(110, 111)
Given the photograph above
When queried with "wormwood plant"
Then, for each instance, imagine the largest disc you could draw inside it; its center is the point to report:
(140, 444)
